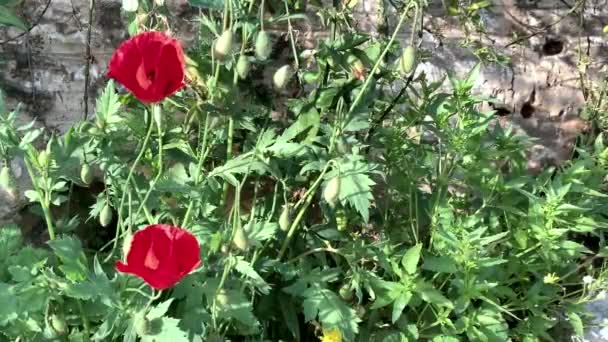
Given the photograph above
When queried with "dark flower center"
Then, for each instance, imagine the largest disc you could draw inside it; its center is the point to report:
(151, 75)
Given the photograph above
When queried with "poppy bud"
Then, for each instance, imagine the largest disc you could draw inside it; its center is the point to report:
(356, 66)
(240, 240)
(281, 76)
(141, 324)
(6, 179)
(105, 217)
(242, 66)
(58, 325)
(222, 297)
(223, 45)
(332, 190)
(285, 218)
(263, 46)
(346, 293)
(86, 176)
(126, 244)
(408, 60)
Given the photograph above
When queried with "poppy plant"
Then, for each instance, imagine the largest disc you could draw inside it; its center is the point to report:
(161, 255)
(150, 64)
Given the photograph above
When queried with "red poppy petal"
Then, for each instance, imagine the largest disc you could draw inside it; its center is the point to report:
(141, 243)
(187, 253)
(158, 279)
(123, 63)
(121, 267)
(151, 45)
(170, 73)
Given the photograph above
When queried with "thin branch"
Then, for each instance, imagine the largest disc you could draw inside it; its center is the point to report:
(87, 70)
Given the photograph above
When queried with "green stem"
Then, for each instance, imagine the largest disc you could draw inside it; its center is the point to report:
(296, 222)
(127, 184)
(158, 117)
(228, 156)
(85, 321)
(370, 76)
(202, 155)
(44, 201)
(291, 38)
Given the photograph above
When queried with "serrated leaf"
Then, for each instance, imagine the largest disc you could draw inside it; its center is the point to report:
(399, 305)
(261, 231)
(159, 310)
(8, 304)
(10, 241)
(356, 189)
(331, 311)
(441, 264)
(431, 295)
(108, 105)
(411, 258)
(8, 17)
(166, 329)
(245, 268)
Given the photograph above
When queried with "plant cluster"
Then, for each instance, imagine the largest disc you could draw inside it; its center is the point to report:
(360, 214)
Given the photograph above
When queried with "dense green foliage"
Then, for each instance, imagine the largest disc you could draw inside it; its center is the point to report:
(431, 227)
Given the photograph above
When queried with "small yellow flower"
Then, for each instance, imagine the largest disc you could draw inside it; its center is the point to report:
(331, 335)
(551, 278)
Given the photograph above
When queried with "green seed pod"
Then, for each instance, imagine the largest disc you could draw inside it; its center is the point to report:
(346, 293)
(408, 60)
(222, 297)
(263, 46)
(105, 217)
(58, 324)
(331, 192)
(6, 179)
(341, 219)
(240, 239)
(126, 244)
(282, 76)
(242, 66)
(285, 218)
(85, 174)
(223, 45)
(141, 324)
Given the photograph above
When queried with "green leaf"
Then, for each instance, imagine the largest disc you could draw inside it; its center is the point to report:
(165, 329)
(330, 310)
(10, 241)
(355, 184)
(577, 323)
(261, 231)
(69, 251)
(108, 105)
(245, 268)
(8, 304)
(159, 310)
(8, 18)
(290, 316)
(431, 295)
(308, 120)
(400, 304)
(442, 264)
(411, 258)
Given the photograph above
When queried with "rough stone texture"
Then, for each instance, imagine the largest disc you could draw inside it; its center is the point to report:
(598, 333)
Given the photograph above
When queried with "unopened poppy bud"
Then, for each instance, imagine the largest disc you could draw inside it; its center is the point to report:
(141, 324)
(331, 192)
(408, 60)
(86, 176)
(222, 297)
(240, 239)
(263, 46)
(105, 216)
(242, 66)
(126, 244)
(285, 218)
(58, 324)
(223, 45)
(281, 77)
(346, 292)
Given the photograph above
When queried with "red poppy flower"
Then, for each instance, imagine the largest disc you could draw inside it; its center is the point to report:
(161, 255)
(150, 65)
